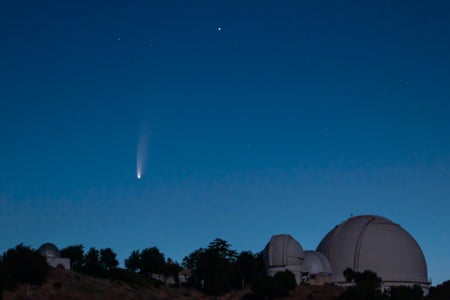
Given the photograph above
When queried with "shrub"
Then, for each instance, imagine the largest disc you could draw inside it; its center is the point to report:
(23, 265)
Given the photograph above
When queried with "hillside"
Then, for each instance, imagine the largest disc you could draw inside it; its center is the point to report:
(63, 284)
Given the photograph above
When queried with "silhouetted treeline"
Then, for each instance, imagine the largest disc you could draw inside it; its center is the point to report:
(215, 269)
(93, 262)
(142, 267)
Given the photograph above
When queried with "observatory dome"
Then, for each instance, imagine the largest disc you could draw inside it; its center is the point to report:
(49, 250)
(282, 253)
(316, 264)
(283, 250)
(375, 243)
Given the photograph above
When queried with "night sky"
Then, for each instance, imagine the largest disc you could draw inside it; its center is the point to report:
(255, 117)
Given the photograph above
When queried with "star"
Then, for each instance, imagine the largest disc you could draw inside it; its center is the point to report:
(219, 28)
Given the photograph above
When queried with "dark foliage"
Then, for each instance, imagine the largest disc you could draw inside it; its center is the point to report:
(92, 264)
(108, 259)
(191, 261)
(171, 269)
(246, 268)
(216, 272)
(133, 262)
(213, 267)
(22, 265)
(76, 255)
(361, 293)
(440, 292)
(127, 276)
(267, 287)
(152, 261)
(406, 293)
(367, 278)
(367, 285)
(99, 262)
(217, 269)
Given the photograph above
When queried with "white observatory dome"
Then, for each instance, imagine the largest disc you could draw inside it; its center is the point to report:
(283, 250)
(49, 250)
(375, 243)
(282, 253)
(316, 264)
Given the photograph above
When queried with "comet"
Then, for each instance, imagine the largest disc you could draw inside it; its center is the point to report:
(141, 154)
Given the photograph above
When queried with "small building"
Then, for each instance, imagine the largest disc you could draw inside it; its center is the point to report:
(53, 256)
(185, 276)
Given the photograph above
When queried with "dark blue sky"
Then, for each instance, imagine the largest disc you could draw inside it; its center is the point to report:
(291, 117)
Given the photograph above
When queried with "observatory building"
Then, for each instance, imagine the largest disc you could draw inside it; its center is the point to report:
(54, 259)
(282, 253)
(316, 268)
(375, 243)
(361, 243)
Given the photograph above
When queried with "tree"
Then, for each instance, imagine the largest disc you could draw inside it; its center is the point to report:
(284, 282)
(349, 275)
(171, 269)
(108, 259)
(367, 278)
(222, 249)
(274, 287)
(263, 287)
(22, 265)
(247, 267)
(76, 255)
(213, 266)
(92, 264)
(191, 261)
(367, 285)
(133, 262)
(6, 278)
(152, 261)
(440, 292)
(406, 293)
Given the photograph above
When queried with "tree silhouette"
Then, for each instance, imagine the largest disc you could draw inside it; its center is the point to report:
(108, 259)
(440, 292)
(22, 265)
(152, 261)
(92, 264)
(406, 293)
(76, 255)
(267, 287)
(171, 269)
(191, 261)
(213, 266)
(222, 249)
(247, 267)
(367, 285)
(133, 262)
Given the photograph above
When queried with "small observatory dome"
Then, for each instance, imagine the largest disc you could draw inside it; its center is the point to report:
(282, 253)
(49, 250)
(283, 250)
(316, 264)
(375, 243)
